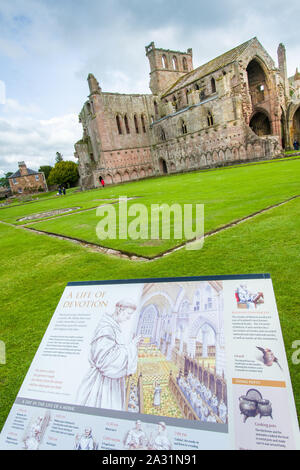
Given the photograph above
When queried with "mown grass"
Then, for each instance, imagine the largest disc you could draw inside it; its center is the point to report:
(35, 269)
(228, 194)
(158, 188)
(82, 200)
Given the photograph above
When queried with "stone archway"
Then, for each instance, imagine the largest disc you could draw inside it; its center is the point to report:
(117, 178)
(126, 176)
(163, 166)
(257, 82)
(260, 123)
(108, 179)
(296, 126)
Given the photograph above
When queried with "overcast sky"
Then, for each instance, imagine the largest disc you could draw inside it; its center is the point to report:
(48, 48)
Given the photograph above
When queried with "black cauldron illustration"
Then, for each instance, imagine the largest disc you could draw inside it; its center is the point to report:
(253, 404)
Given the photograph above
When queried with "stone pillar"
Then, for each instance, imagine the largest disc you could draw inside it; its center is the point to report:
(192, 347)
(204, 342)
(181, 340)
(281, 54)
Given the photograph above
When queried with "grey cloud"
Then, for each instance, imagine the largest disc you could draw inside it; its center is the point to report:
(37, 141)
(5, 126)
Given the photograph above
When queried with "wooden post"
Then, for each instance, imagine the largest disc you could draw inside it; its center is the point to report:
(141, 393)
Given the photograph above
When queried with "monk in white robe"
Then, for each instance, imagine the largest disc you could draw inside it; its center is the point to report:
(111, 361)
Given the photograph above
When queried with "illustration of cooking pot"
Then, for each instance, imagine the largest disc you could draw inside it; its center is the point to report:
(247, 407)
(253, 404)
(264, 408)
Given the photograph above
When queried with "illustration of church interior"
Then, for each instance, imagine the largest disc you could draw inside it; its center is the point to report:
(181, 363)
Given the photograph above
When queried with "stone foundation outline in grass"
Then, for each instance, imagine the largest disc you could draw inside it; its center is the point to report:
(41, 215)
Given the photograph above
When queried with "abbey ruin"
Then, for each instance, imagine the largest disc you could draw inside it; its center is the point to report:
(239, 106)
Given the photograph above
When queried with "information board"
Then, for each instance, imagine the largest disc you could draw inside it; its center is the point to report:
(159, 364)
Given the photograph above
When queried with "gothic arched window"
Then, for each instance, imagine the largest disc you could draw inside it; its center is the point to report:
(213, 85)
(175, 102)
(143, 123)
(210, 119)
(126, 124)
(187, 96)
(183, 127)
(162, 134)
(119, 124)
(174, 63)
(136, 124)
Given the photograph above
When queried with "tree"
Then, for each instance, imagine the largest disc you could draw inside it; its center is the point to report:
(4, 180)
(59, 157)
(46, 170)
(64, 172)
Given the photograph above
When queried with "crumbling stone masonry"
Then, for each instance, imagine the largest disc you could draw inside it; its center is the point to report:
(237, 107)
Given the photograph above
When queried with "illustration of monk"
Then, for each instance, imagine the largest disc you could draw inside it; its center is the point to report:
(111, 361)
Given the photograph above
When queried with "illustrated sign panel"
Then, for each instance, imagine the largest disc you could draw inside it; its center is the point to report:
(159, 364)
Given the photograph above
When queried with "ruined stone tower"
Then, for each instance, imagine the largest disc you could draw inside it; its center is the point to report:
(167, 66)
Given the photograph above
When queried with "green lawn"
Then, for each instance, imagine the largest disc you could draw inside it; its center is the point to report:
(187, 186)
(228, 194)
(83, 200)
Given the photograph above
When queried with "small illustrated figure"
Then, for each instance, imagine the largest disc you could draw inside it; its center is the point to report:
(248, 299)
(32, 441)
(86, 441)
(133, 401)
(35, 431)
(157, 395)
(199, 406)
(161, 440)
(211, 418)
(223, 411)
(136, 438)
